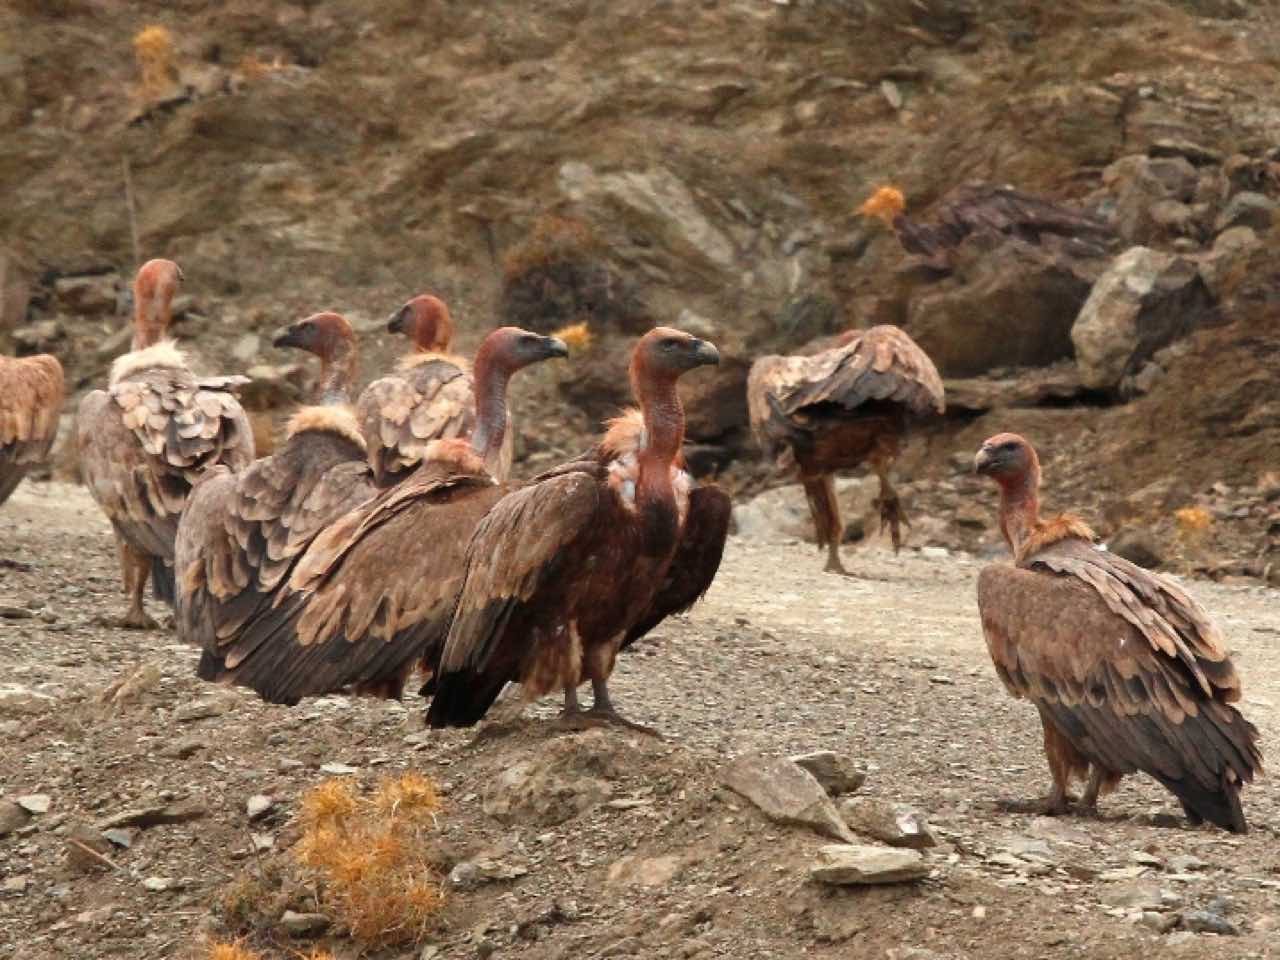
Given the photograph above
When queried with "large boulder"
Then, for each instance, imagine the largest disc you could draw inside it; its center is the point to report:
(1013, 304)
(1146, 300)
(1152, 197)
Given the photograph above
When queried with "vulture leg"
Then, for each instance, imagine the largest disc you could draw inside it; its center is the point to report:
(1089, 802)
(825, 509)
(137, 567)
(891, 513)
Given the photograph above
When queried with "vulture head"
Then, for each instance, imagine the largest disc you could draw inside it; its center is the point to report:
(1008, 459)
(886, 204)
(512, 349)
(664, 354)
(425, 320)
(324, 334)
(153, 289)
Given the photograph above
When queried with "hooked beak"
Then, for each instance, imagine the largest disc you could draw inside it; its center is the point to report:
(286, 337)
(706, 354)
(396, 322)
(556, 347)
(983, 461)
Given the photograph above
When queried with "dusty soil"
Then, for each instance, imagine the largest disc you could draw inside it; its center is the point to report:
(888, 668)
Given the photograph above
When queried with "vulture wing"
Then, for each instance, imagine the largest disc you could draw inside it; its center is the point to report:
(514, 558)
(1128, 667)
(366, 599)
(241, 533)
(880, 365)
(994, 208)
(400, 414)
(696, 561)
(31, 394)
(148, 438)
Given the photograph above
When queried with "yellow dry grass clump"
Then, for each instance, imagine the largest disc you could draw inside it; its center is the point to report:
(368, 856)
(1193, 520)
(577, 336)
(232, 951)
(153, 51)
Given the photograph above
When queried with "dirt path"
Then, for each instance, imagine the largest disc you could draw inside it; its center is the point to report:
(889, 668)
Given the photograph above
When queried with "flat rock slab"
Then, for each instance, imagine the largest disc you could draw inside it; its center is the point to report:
(893, 823)
(786, 793)
(850, 864)
(837, 774)
(154, 816)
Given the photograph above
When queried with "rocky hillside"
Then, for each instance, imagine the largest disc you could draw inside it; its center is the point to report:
(697, 164)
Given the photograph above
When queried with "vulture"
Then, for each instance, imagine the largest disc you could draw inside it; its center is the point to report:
(146, 439)
(566, 571)
(430, 397)
(241, 531)
(372, 593)
(31, 394)
(978, 207)
(837, 409)
(1128, 671)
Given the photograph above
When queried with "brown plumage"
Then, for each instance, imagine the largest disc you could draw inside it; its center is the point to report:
(568, 570)
(241, 532)
(146, 439)
(834, 410)
(430, 397)
(31, 394)
(978, 207)
(373, 591)
(1128, 672)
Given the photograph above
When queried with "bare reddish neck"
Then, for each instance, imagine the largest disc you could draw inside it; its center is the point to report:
(1019, 508)
(338, 367)
(492, 375)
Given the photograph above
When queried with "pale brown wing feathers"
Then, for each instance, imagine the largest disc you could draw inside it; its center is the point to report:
(400, 414)
(31, 395)
(367, 599)
(1133, 688)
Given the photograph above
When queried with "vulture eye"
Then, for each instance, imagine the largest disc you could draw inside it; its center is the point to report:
(1009, 447)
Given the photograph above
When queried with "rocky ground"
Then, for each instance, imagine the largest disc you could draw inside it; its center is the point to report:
(604, 843)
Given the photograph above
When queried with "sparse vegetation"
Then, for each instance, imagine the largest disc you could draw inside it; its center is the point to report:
(557, 277)
(366, 856)
(577, 336)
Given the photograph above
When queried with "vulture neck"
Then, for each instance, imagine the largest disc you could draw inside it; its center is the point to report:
(663, 436)
(151, 318)
(492, 374)
(338, 374)
(1020, 508)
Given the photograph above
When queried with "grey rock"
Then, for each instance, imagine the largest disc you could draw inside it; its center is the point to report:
(1145, 301)
(1248, 209)
(1187, 863)
(894, 823)
(154, 815)
(200, 710)
(1145, 189)
(1224, 266)
(185, 747)
(785, 793)
(12, 817)
(1159, 922)
(39, 337)
(848, 864)
(838, 774)
(160, 884)
(1133, 896)
(81, 839)
(1137, 546)
(1206, 921)
(303, 924)
(486, 868)
(18, 700)
(120, 837)
(653, 872)
(338, 769)
(15, 885)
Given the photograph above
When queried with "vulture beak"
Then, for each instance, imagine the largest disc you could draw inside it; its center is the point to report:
(705, 353)
(983, 461)
(555, 347)
(396, 322)
(287, 337)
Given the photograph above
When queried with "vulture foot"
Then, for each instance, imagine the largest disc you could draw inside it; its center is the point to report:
(137, 620)
(1050, 806)
(834, 564)
(591, 719)
(892, 516)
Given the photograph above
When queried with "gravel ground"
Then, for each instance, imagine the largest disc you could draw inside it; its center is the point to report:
(605, 843)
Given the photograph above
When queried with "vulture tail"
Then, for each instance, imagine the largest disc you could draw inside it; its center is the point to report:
(1220, 807)
(162, 582)
(462, 700)
(821, 492)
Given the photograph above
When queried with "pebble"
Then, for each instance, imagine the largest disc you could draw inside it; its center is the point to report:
(159, 884)
(304, 924)
(338, 769)
(35, 802)
(15, 885)
(259, 805)
(1205, 921)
